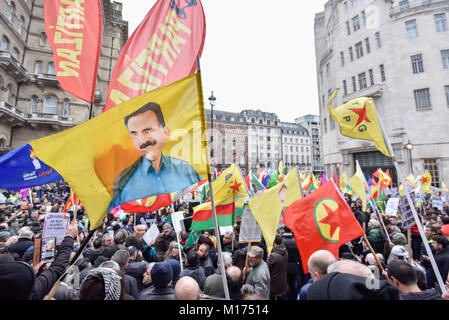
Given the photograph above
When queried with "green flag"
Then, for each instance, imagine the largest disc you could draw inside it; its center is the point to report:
(274, 179)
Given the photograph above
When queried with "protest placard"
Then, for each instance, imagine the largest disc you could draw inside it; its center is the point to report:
(407, 216)
(176, 218)
(392, 207)
(55, 225)
(151, 234)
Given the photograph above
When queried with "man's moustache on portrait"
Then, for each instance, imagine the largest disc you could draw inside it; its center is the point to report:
(147, 144)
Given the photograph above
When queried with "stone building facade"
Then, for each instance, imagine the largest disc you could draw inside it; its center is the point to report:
(396, 52)
(312, 125)
(296, 150)
(32, 104)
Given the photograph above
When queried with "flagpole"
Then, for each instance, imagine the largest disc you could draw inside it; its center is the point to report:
(212, 201)
(412, 207)
(364, 237)
(177, 238)
(379, 215)
(299, 180)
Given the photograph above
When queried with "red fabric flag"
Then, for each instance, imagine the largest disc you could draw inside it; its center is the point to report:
(73, 200)
(74, 31)
(321, 221)
(149, 204)
(336, 178)
(162, 49)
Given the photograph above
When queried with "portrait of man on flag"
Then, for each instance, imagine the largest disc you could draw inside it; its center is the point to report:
(153, 173)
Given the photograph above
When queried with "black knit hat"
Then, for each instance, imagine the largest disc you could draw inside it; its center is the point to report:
(16, 281)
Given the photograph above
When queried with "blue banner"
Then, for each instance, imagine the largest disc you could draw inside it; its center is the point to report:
(22, 169)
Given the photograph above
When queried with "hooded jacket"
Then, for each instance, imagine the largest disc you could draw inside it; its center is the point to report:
(375, 238)
(277, 265)
(196, 273)
(258, 280)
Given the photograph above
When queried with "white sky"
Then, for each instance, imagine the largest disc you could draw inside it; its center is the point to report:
(258, 54)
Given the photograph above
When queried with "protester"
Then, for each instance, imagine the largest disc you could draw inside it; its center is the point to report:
(257, 273)
(213, 286)
(187, 289)
(277, 265)
(193, 269)
(101, 284)
(404, 276)
(204, 260)
(161, 278)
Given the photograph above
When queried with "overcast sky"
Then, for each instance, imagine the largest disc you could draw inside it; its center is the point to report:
(258, 54)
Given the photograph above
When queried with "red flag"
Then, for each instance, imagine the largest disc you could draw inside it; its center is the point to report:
(73, 200)
(149, 204)
(336, 178)
(162, 49)
(74, 32)
(321, 221)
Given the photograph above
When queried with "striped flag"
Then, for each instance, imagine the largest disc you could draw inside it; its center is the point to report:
(249, 228)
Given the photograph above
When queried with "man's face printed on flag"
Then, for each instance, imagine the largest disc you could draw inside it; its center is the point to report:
(148, 135)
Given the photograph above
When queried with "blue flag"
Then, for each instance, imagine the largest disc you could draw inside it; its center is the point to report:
(21, 169)
(267, 177)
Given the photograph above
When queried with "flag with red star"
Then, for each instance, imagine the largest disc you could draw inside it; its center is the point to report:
(321, 221)
(227, 188)
(358, 119)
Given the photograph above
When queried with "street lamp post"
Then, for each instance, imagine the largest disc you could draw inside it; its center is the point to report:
(409, 147)
(212, 104)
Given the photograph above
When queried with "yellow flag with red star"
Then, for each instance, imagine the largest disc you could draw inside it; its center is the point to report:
(426, 182)
(358, 119)
(227, 187)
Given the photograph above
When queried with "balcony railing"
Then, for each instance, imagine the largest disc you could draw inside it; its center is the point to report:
(412, 5)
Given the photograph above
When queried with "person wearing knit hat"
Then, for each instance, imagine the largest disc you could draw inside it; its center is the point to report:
(374, 236)
(4, 236)
(161, 277)
(176, 267)
(399, 240)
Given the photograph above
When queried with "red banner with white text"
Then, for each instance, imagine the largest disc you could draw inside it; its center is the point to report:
(74, 31)
(161, 50)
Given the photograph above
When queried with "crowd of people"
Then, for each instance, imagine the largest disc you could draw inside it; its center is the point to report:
(118, 264)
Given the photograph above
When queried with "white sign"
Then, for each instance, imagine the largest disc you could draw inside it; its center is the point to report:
(55, 225)
(225, 229)
(407, 216)
(437, 203)
(176, 218)
(392, 207)
(151, 234)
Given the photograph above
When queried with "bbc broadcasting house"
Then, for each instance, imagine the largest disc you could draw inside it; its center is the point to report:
(396, 52)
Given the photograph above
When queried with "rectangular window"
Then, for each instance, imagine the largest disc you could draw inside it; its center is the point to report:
(346, 6)
(38, 67)
(363, 14)
(342, 58)
(328, 70)
(356, 23)
(371, 77)
(353, 2)
(368, 48)
(411, 28)
(445, 58)
(359, 49)
(345, 89)
(378, 41)
(404, 5)
(351, 55)
(446, 88)
(348, 28)
(362, 80)
(382, 72)
(417, 64)
(422, 99)
(325, 125)
(431, 165)
(354, 84)
(440, 22)
(331, 124)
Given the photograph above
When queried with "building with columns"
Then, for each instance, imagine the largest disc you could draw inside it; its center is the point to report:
(397, 53)
(32, 104)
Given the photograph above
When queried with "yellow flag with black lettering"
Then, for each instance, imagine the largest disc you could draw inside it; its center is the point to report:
(358, 119)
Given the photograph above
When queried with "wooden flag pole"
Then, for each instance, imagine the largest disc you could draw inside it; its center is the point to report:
(246, 262)
(412, 207)
(379, 264)
(379, 215)
(177, 239)
(409, 243)
(209, 178)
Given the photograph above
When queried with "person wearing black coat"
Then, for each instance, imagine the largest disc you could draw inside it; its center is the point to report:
(19, 282)
(294, 268)
(277, 264)
(21, 246)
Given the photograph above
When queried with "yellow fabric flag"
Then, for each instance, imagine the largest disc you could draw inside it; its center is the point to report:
(358, 119)
(149, 145)
(227, 187)
(358, 186)
(384, 179)
(426, 182)
(267, 206)
(401, 190)
(315, 182)
(343, 182)
(411, 180)
(444, 187)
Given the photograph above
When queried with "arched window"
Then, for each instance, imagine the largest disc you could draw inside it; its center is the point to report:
(7, 93)
(50, 104)
(4, 45)
(51, 68)
(66, 108)
(20, 24)
(11, 10)
(33, 104)
(43, 39)
(15, 53)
